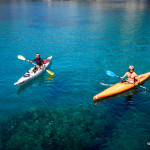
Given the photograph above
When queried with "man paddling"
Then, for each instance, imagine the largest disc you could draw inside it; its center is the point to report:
(39, 63)
(132, 77)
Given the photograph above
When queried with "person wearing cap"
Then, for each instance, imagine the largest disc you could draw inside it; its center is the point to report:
(132, 77)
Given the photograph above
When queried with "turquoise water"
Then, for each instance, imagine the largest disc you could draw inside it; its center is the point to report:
(85, 39)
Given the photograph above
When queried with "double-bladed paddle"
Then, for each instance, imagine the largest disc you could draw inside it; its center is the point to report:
(23, 58)
(112, 74)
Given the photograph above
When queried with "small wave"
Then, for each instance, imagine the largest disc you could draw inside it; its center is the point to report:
(104, 84)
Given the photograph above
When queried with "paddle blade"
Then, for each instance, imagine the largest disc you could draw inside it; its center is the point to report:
(144, 88)
(110, 73)
(51, 73)
(21, 57)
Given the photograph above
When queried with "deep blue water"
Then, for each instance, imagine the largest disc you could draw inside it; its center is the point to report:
(85, 39)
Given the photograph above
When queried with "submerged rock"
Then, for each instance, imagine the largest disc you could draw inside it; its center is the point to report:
(49, 128)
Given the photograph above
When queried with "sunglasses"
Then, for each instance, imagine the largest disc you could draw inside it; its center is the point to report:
(131, 69)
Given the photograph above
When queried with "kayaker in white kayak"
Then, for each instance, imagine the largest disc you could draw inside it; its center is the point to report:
(39, 63)
(132, 77)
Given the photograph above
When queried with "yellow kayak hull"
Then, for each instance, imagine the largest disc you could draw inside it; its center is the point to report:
(119, 87)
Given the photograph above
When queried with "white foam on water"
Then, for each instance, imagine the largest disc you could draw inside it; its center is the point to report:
(104, 84)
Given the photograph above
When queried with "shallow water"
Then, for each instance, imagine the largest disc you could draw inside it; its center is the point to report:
(85, 39)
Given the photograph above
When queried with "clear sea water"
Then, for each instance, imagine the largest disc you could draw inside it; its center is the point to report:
(85, 39)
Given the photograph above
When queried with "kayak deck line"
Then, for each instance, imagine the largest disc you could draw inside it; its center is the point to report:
(120, 87)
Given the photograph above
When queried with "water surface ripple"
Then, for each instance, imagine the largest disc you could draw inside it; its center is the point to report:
(85, 39)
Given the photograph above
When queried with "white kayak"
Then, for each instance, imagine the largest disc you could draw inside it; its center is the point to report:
(29, 76)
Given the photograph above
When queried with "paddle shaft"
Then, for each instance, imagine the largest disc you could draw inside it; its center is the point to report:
(135, 84)
(23, 58)
(112, 74)
(48, 71)
(32, 63)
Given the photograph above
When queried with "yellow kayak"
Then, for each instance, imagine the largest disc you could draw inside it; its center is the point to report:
(120, 87)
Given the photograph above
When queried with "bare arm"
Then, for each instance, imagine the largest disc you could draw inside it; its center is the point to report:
(137, 79)
(123, 76)
(29, 61)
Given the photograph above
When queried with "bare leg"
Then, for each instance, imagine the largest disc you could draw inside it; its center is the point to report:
(40, 68)
(31, 70)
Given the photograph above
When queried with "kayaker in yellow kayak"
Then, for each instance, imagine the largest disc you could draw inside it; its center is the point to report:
(39, 63)
(132, 77)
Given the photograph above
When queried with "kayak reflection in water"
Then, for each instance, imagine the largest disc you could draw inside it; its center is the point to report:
(39, 63)
(131, 76)
(129, 96)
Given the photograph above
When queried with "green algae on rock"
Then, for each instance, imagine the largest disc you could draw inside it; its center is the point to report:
(49, 128)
